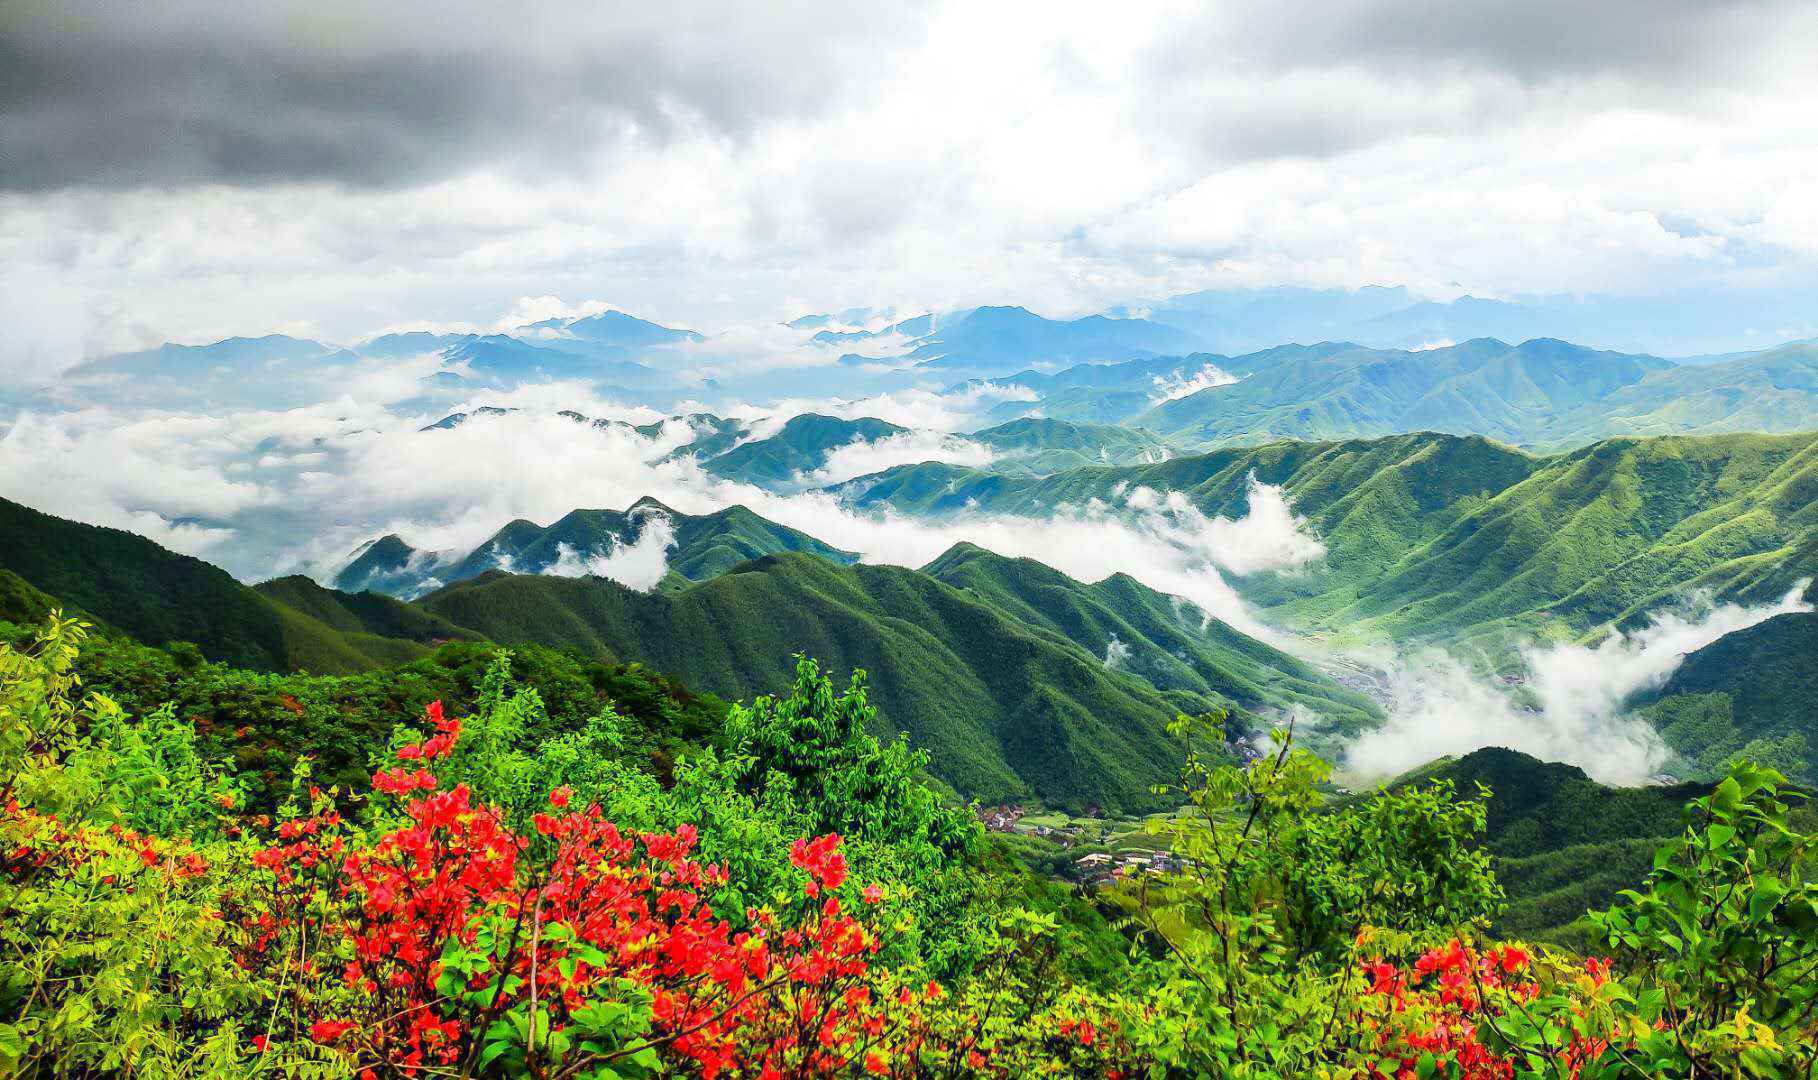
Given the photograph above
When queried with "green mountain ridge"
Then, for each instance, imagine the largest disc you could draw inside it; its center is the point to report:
(1042, 445)
(1752, 693)
(1543, 393)
(1162, 639)
(1561, 842)
(1000, 667)
(134, 586)
(1431, 535)
(1481, 387)
(1008, 708)
(704, 545)
(799, 448)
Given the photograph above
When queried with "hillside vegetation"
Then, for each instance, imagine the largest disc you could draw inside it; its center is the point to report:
(1561, 843)
(1007, 710)
(798, 449)
(1003, 674)
(1043, 445)
(132, 585)
(704, 545)
(1543, 393)
(793, 900)
(1456, 538)
(1752, 693)
(996, 666)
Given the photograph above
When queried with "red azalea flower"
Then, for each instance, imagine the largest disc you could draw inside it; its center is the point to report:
(327, 1032)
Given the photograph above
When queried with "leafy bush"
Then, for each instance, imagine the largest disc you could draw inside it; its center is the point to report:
(512, 896)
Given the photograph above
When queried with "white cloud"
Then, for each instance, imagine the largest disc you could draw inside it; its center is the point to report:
(336, 475)
(638, 565)
(861, 457)
(536, 309)
(1181, 384)
(1438, 706)
(955, 409)
(1270, 536)
(1063, 159)
(1117, 654)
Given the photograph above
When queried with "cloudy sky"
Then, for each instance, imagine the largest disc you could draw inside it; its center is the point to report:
(186, 171)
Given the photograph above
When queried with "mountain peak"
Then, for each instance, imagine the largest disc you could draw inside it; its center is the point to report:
(651, 504)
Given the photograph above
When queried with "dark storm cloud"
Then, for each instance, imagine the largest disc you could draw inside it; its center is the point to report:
(114, 95)
(1320, 77)
(1534, 42)
(1538, 41)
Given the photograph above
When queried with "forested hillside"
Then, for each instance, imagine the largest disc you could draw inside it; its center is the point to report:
(1435, 536)
(1753, 692)
(133, 585)
(1006, 710)
(1561, 843)
(701, 546)
(1541, 393)
(691, 915)
(1010, 704)
(800, 447)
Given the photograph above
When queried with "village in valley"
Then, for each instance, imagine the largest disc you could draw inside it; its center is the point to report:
(1091, 849)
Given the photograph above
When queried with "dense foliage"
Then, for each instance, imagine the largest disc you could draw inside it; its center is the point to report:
(265, 722)
(1007, 710)
(503, 895)
(1747, 694)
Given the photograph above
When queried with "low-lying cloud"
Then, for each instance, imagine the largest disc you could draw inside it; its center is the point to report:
(1117, 654)
(861, 457)
(639, 565)
(1182, 384)
(370, 473)
(1569, 706)
(1270, 535)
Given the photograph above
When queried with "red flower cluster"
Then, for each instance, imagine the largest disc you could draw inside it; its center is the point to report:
(1435, 1007)
(448, 926)
(822, 859)
(41, 841)
(438, 745)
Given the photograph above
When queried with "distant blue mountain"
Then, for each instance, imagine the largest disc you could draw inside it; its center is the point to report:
(1685, 321)
(236, 352)
(919, 326)
(625, 331)
(274, 371)
(1245, 320)
(855, 316)
(410, 343)
(991, 340)
(498, 360)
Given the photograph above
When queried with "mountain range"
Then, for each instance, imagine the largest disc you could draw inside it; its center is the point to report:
(1024, 683)
(1681, 323)
(1459, 538)
(1021, 682)
(1543, 393)
(1365, 363)
(1004, 339)
(697, 546)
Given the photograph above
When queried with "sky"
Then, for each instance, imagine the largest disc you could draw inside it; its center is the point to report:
(185, 171)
